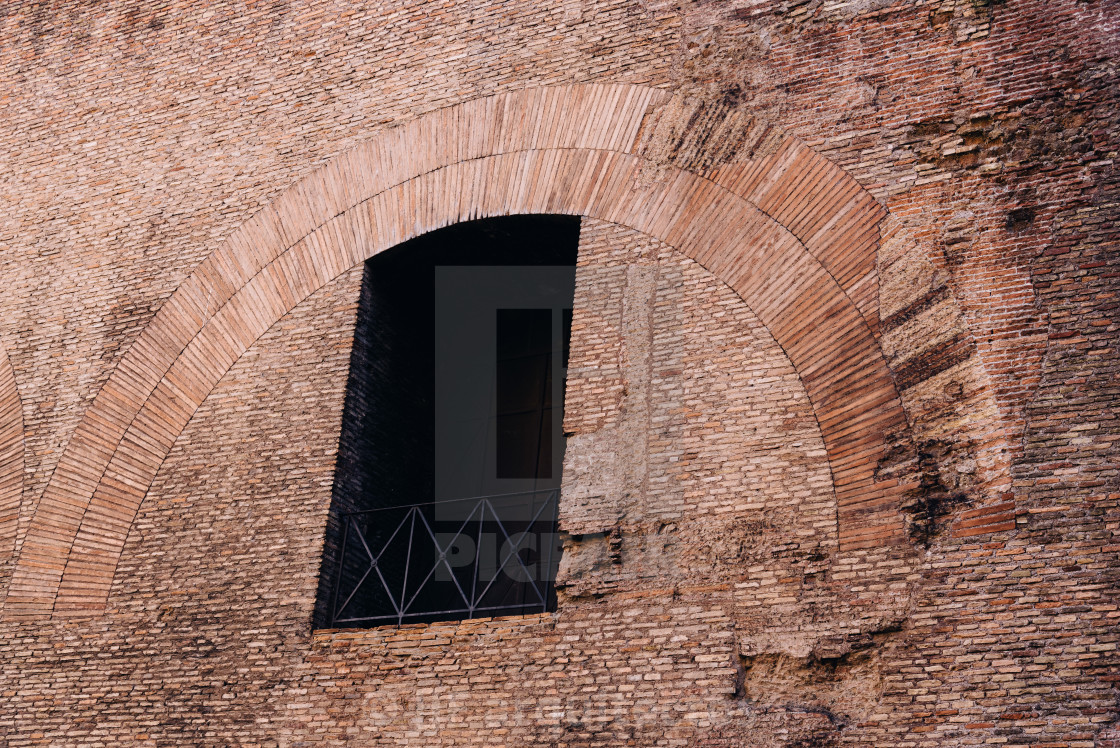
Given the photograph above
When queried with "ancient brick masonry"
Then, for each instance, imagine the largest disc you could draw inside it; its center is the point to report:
(843, 464)
(530, 160)
(11, 457)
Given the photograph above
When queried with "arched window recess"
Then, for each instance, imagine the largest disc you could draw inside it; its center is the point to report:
(448, 478)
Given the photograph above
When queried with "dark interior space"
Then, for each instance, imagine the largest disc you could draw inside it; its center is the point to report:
(399, 548)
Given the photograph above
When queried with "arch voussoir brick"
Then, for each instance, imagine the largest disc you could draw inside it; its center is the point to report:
(567, 150)
(11, 456)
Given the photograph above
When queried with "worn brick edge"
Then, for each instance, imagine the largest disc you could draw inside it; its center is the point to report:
(11, 456)
(549, 150)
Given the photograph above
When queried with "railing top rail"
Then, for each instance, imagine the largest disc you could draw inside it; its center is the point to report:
(453, 501)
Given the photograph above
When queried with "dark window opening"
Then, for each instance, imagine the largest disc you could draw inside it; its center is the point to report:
(526, 343)
(448, 475)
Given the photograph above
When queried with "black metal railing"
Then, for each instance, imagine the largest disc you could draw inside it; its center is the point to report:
(463, 558)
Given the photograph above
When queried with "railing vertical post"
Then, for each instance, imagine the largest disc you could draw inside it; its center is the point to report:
(341, 560)
(552, 497)
(407, 561)
(477, 557)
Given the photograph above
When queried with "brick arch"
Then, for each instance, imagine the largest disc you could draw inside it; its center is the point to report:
(792, 234)
(11, 456)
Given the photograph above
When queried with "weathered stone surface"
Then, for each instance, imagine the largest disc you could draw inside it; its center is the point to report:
(947, 166)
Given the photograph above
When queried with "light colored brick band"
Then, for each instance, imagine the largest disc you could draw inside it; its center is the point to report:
(565, 150)
(11, 456)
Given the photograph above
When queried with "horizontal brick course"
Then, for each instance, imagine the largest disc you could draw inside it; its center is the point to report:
(180, 178)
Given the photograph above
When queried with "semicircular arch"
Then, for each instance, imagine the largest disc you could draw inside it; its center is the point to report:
(572, 150)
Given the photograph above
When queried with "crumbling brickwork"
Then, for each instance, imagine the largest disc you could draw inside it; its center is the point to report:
(765, 544)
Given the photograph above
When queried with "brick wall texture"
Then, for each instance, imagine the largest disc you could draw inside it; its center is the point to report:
(844, 460)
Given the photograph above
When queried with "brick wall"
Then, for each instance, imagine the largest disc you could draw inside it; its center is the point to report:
(708, 596)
